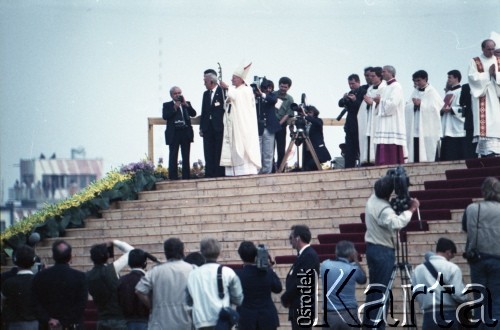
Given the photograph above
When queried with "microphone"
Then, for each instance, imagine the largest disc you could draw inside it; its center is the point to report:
(342, 113)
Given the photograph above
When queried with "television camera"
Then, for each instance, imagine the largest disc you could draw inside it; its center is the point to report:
(257, 82)
(298, 124)
(401, 202)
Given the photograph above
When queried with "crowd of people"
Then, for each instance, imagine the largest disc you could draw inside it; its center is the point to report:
(187, 292)
(244, 126)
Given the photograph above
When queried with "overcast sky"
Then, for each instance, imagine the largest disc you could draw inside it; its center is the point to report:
(90, 73)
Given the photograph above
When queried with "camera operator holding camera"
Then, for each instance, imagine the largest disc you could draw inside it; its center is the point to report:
(315, 132)
(351, 102)
(102, 281)
(267, 121)
(382, 223)
(179, 132)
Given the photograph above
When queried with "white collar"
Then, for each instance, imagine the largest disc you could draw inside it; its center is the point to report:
(305, 247)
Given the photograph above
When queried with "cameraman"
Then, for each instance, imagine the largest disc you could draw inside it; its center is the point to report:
(102, 281)
(257, 310)
(351, 102)
(179, 132)
(382, 223)
(267, 121)
(315, 132)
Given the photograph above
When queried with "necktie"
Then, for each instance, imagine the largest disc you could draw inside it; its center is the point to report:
(211, 93)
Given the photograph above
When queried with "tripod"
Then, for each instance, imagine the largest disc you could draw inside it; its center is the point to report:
(299, 136)
(404, 268)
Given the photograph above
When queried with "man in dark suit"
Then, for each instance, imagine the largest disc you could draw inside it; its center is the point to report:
(212, 125)
(351, 102)
(317, 139)
(61, 291)
(135, 311)
(299, 296)
(179, 132)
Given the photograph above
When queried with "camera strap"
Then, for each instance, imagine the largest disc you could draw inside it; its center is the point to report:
(220, 288)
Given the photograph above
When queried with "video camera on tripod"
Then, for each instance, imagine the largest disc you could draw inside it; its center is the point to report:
(401, 202)
(298, 121)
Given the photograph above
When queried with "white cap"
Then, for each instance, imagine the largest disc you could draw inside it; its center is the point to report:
(242, 71)
(495, 36)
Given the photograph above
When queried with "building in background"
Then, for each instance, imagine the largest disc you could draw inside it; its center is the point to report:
(46, 181)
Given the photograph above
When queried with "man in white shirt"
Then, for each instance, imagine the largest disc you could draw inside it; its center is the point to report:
(439, 305)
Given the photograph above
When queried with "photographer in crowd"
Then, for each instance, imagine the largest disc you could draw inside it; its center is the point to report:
(382, 224)
(283, 112)
(351, 102)
(315, 133)
(267, 121)
(102, 281)
(257, 310)
(179, 132)
(440, 307)
(481, 221)
(342, 307)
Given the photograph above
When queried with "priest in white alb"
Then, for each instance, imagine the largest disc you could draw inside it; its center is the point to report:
(484, 81)
(366, 118)
(423, 120)
(240, 148)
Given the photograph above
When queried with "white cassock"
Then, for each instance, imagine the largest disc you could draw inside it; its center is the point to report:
(366, 125)
(390, 122)
(452, 123)
(424, 124)
(485, 93)
(240, 147)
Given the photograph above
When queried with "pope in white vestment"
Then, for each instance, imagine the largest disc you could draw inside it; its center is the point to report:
(485, 89)
(424, 123)
(240, 148)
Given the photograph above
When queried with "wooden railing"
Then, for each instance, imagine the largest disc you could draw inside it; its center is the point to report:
(196, 121)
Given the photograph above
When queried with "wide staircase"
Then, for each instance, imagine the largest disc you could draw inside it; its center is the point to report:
(263, 208)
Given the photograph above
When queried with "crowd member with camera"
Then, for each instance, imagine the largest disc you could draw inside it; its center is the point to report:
(440, 307)
(212, 125)
(423, 121)
(366, 117)
(240, 148)
(268, 123)
(342, 307)
(258, 280)
(179, 132)
(351, 102)
(481, 221)
(61, 291)
(382, 223)
(102, 281)
(164, 290)
(19, 308)
(315, 133)
(135, 311)
(203, 291)
(283, 113)
(307, 262)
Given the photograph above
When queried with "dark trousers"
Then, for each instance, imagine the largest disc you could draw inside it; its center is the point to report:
(351, 148)
(453, 148)
(212, 149)
(469, 145)
(180, 140)
(381, 261)
(280, 137)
